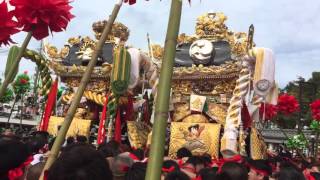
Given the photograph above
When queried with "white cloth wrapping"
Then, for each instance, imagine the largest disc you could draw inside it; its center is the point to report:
(135, 64)
(264, 76)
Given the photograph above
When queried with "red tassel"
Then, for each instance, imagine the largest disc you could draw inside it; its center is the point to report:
(102, 131)
(117, 131)
(245, 116)
(49, 106)
(129, 109)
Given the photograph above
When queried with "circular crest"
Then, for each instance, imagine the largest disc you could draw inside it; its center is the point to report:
(201, 51)
(263, 85)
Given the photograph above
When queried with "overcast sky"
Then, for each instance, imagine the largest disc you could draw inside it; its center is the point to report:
(289, 27)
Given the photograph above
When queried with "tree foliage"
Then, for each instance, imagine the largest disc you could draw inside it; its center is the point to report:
(8, 95)
(306, 91)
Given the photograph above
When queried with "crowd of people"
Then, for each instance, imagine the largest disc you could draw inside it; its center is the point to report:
(24, 159)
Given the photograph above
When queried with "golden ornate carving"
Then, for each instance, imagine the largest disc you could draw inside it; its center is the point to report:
(182, 87)
(258, 148)
(119, 30)
(238, 43)
(212, 26)
(199, 138)
(195, 118)
(78, 126)
(224, 69)
(217, 112)
(157, 51)
(138, 133)
(86, 49)
(74, 40)
(183, 38)
(224, 87)
(96, 97)
(181, 111)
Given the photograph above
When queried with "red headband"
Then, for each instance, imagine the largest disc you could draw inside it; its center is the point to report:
(17, 172)
(190, 169)
(124, 168)
(134, 157)
(259, 171)
(168, 170)
(236, 158)
(180, 162)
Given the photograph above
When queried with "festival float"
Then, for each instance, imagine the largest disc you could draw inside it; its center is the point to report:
(219, 82)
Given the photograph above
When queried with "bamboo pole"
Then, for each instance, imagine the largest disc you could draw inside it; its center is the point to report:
(11, 111)
(84, 81)
(163, 94)
(6, 81)
(21, 112)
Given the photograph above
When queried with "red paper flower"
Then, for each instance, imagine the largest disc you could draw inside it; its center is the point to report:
(315, 109)
(131, 2)
(270, 111)
(39, 16)
(7, 25)
(23, 81)
(287, 104)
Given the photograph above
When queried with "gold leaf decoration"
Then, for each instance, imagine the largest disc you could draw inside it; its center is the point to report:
(78, 126)
(138, 133)
(199, 138)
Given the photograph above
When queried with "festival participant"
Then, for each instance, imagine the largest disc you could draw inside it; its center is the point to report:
(183, 153)
(177, 175)
(14, 158)
(34, 171)
(70, 140)
(311, 168)
(137, 154)
(169, 166)
(197, 162)
(37, 145)
(82, 139)
(110, 149)
(259, 169)
(290, 173)
(208, 173)
(80, 161)
(234, 170)
(315, 175)
(121, 165)
(137, 171)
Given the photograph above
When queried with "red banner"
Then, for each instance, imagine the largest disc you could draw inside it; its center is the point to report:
(117, 130)
(102, 131)
(52, 96)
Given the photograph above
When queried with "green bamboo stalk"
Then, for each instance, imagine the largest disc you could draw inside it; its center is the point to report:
(163, 94)
(15, 65)
(84, 81)
(11, 111)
